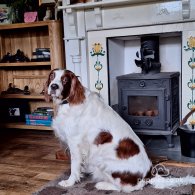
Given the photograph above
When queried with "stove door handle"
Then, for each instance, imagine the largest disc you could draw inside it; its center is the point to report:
(142, 84)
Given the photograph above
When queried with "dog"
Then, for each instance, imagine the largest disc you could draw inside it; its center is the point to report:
(100, 141)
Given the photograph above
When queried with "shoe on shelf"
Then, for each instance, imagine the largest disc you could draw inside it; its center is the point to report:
(26, 90)
(20, 57)
(6, 58)
(14, 90)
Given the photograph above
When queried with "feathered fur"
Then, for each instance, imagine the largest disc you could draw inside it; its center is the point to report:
(100, 141)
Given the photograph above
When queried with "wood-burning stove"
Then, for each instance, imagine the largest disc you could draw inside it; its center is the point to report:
(150, 102)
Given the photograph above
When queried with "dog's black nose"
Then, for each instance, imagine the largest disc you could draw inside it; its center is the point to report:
(54, 86)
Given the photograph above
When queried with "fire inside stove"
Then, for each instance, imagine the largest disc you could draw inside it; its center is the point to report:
(143, 106)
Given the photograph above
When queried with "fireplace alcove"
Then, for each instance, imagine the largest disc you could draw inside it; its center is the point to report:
(122, 54)
(125, 83)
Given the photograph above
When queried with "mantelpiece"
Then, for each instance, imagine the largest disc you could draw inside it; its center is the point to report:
(89, 28)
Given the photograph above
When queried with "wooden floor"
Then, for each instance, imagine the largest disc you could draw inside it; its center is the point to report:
(27, 161)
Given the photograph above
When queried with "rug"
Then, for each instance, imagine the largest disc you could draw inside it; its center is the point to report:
(86, 187)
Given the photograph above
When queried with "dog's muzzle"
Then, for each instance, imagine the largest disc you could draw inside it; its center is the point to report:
(53, 88)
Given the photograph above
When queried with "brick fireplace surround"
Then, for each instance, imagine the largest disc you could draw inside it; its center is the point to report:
(101, 40)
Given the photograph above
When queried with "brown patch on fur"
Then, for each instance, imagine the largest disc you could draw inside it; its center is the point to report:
(76, 90)
(127, 177)
(66, 82)
(102, 138)
(127, 148)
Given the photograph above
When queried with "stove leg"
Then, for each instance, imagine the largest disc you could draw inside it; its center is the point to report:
(169, 139)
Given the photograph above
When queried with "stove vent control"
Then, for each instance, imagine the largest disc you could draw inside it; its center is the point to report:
(149, 122)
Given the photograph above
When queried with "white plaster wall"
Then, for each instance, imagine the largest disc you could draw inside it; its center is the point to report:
(131, 47)
(116, 63)
(170, 54)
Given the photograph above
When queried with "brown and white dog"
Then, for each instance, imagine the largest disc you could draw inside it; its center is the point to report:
(99, 140)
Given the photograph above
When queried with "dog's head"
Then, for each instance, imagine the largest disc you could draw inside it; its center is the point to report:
(64, 85)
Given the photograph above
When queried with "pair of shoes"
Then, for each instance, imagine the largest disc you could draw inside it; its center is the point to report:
(18, 57)
(6, 58)
(26, 90)
(14, 90)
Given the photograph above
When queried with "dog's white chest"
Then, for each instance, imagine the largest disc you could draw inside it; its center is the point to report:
(64, 124)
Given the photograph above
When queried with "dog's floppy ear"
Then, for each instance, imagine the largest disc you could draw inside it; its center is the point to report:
(76, 95)
(45, 92)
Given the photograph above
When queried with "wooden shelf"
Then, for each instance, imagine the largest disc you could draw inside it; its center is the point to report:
(25, 64)
(21, 96)
(27, 25)
(21, 125)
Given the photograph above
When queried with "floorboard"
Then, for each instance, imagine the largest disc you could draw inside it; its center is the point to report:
(27, 161)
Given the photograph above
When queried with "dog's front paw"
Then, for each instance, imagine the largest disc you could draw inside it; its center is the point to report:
(66, 183)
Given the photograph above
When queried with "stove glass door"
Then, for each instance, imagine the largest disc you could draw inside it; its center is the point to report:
(144, 108)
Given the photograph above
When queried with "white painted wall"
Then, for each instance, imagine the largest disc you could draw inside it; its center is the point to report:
(116, 63)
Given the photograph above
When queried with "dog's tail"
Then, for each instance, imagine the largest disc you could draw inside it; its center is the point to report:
(160, 182)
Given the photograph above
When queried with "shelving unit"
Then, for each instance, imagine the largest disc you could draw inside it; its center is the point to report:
(23, 64)
(21, 96)
(27, 37)
(20, 125)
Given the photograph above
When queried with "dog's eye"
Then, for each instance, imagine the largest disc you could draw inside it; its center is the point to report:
(52, 76)
(65, 80)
